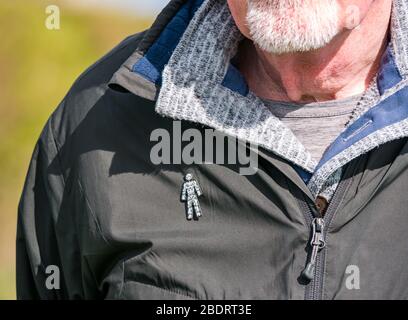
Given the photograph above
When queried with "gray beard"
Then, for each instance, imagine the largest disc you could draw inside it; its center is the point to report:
(279, 27)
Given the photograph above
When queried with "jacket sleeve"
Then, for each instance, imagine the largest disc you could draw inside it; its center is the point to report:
(39, 272)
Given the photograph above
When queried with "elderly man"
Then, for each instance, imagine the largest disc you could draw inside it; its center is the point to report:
(315, 92)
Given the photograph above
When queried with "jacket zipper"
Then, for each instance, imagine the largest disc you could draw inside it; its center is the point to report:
(314, 270)
(317, 243)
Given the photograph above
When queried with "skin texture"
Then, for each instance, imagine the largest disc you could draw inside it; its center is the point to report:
(342, 68)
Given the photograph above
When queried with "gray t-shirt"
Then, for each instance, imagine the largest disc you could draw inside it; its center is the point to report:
(315, 124)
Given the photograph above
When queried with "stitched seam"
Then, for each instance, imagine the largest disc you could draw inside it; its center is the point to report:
(81, 190)
(328, 235)
(361, 129)
(58, 150)
(163, 289)
(122, 285)
(317, 115)
(88, 266)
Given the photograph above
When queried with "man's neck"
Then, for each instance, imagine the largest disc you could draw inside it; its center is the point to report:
(343, 68)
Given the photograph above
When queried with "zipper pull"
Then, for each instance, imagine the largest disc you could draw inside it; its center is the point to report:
(317, 244)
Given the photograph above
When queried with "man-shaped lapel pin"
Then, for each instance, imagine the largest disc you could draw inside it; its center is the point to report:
(189, 194)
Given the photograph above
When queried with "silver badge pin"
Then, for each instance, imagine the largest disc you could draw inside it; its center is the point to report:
(190, 192)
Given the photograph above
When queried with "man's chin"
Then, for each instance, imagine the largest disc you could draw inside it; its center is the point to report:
(278, 48)
(280, 30)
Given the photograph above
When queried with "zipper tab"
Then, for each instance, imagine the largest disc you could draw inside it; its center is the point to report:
(317, 243)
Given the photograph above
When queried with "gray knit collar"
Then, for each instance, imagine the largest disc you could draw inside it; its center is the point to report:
(192, 90)
(399, 35)
(192, 87)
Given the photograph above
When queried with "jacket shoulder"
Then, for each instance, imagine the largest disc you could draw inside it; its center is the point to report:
(89, 88)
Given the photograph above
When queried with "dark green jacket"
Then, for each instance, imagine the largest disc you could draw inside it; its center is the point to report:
(111, 220)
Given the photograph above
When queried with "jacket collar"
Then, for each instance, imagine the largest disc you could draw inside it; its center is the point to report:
(141, 72)
(154, 72)
(160, 41)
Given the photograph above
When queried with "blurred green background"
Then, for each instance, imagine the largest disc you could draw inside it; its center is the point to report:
(37, 67)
